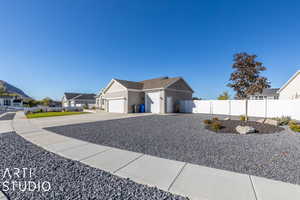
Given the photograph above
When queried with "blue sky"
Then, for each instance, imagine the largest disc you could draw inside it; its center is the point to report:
(49, 47)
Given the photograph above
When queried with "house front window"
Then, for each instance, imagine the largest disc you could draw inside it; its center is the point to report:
(7, 102)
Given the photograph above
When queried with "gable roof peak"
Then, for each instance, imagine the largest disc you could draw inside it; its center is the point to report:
(290, 80)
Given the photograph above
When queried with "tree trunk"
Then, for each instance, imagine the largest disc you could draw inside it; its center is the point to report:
(246, 115)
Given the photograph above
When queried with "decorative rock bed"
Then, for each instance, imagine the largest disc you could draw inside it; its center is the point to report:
(230, 126)
(68, 179)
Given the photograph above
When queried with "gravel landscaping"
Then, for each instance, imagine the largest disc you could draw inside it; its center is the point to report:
(229, 126)
(8, 116)
(185, 138)
(69, 179)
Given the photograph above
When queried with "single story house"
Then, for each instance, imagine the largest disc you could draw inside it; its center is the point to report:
(291, 89)
(11, 100)
(267, 93)
(159, 95)
(78, 100)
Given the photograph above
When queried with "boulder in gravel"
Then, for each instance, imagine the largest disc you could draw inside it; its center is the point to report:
(244, 129)
(272, 122)
(261, 121)
(226, 118)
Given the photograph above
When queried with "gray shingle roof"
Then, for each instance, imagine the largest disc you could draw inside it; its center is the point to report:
(131, 84)
(148, 84)
(79, 96)
(268, 92)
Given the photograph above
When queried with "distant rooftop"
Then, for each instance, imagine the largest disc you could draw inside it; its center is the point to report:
(268, 92)
(82, 96)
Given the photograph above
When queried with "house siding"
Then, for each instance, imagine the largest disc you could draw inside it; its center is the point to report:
(115, 94)
(115, 87)
(135, 98)
(292, 90)
(180, 85)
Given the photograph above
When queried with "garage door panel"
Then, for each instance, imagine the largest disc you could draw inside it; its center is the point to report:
(116, 105)
(153, 102)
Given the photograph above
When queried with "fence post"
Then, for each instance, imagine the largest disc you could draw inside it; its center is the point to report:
(229, 102)
(246, 114)
(266, 108)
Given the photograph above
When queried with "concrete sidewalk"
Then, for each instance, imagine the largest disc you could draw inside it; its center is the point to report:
(194, 181)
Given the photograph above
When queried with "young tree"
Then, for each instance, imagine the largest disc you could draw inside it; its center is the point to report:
(224, 96)
(2, 90)
(47, 101)
(31, 103)
(246, 79)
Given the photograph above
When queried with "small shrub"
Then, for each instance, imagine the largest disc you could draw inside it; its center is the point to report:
(207, 122)
(283, 121)
(85, 106)
(243, 118)
(215, 119)
(295, 127)
(216, 126)
(292, 122)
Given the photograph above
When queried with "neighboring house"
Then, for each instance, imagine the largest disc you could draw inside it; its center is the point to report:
(78, 100)
(267, 93)
(14, 101)
(291, 89)
(100, 101)
(159, 95)
(55, 104)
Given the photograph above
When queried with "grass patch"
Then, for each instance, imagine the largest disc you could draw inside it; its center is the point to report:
(52, 114)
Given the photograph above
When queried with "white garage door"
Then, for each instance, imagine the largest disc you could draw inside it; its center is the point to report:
(116, 105)
(153, 102)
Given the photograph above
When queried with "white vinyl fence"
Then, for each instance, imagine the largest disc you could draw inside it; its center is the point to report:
(256, 108)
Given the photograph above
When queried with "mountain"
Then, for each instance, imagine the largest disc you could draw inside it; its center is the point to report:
(8, 88)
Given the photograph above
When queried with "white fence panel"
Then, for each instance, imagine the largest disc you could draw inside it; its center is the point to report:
(202, 106)
(279, 108)
(257, 108)
(237, 107)
(220, 107)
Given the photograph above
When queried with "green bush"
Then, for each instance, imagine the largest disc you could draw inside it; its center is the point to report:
(207, 122)
(243, 118)
(216, 126)
(85, 106)
(295, 127)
